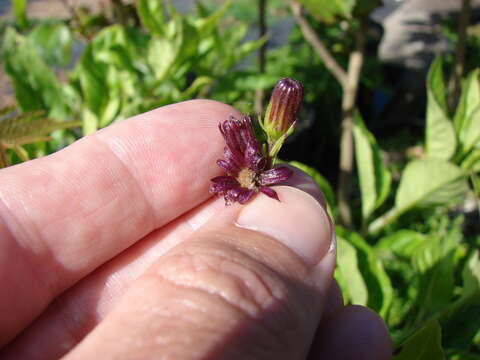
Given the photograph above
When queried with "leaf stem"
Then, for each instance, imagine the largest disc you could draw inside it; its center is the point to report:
(383, 220)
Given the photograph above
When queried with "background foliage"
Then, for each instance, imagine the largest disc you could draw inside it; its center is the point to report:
(410, 251)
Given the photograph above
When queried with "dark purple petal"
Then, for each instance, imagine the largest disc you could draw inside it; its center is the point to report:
(245, 195)
(233, 194)
(227, 166)
(222, 184)
(229, 130)
(247, 136)
(254, 160)
(239, 135)
(225, 180)
(275, 176)
(269, 192)
(234, 161)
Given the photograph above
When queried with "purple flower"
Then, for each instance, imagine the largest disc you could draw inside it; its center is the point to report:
(248, 169)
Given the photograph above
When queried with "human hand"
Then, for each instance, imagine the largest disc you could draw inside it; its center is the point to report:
(112, 248)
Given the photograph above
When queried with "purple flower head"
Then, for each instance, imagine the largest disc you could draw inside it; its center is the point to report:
(248, 169)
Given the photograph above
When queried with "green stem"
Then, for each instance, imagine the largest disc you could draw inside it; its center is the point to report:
(383, 220)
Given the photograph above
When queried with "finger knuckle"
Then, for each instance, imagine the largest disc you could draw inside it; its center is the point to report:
(241, 283)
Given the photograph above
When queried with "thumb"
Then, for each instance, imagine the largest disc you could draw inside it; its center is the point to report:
(251, 283)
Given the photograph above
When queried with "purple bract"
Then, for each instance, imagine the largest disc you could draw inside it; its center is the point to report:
(248, 169)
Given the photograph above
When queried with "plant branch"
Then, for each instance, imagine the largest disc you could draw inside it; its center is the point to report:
(350, 90)
(383, 221)
(459, 62)
(262, 31)
(311, 37)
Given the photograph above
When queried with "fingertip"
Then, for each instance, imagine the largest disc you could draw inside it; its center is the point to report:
(298, 221)
(354, 332)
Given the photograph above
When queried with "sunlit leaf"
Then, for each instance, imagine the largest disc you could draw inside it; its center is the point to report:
(380, 291)
(429, 182)
(40, 90)
(440, 139)
(434, 261)
(403, 243)
(467, 115)
(151, 14)
(374, 177)
(20, 12)
(348, 274)
(161, 56)
(196, 85)
(472, 161)
(471, 276)
(53, 42)
(328, 10)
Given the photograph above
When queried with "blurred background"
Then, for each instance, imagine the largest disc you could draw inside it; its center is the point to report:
(389, 128)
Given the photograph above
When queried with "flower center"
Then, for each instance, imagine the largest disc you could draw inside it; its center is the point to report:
(246, 178)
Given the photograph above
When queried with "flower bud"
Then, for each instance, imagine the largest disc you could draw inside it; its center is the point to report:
(281, 111)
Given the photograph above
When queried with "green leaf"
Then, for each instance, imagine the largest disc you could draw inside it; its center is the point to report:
(429, 182)
(93, 89)
(476, 187)
(206, 24)
(348, 274)
(196, 86)
(328, 10)
(425, 183)
(425, 344)
(380, 291)
(435, 260)
(403, 243)
(151, 14)
(161, 56)
(471, 277)
(322, 183)
(469, 100)
(35, 84)
(470, 136)
(53, 42)
(20, 13)
(375, 179)
(467, 115)
(472, 161)
(440, 139)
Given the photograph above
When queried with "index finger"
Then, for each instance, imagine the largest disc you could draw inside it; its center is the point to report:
(64, 215)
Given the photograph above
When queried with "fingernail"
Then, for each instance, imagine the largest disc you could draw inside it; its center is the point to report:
(297, 220)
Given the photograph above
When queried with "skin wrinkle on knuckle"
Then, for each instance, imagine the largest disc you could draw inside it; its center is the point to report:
(241, 283)
(130, 173)
(273, 331)
(217, 275)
